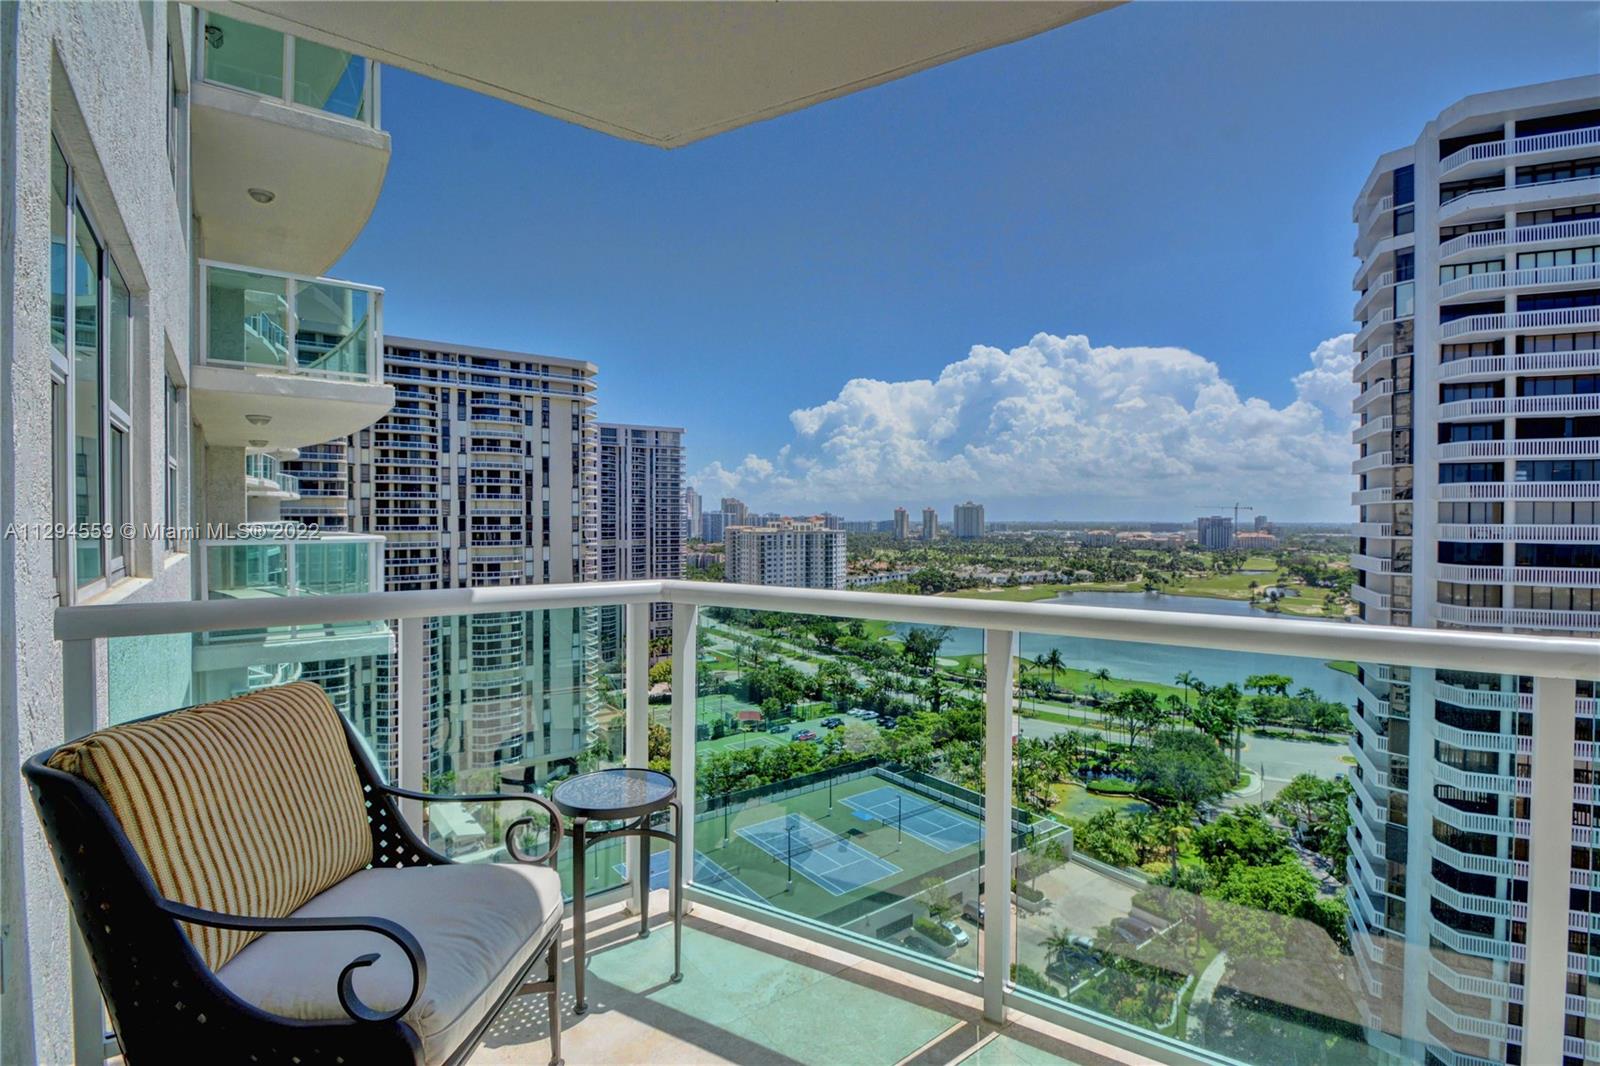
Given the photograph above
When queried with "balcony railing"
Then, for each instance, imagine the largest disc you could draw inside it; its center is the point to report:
(918, 826)
(293, 71)
(1541, 142)
(270, 322)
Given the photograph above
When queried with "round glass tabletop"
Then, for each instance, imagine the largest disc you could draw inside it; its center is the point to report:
(625, 792)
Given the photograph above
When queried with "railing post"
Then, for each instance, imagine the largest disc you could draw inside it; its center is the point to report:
(1549, 855)
(685, 621)
(997, 823)
(83, 712)
(636, 734)
(412, 732)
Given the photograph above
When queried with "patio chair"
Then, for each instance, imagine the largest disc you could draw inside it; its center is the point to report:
(250, 893)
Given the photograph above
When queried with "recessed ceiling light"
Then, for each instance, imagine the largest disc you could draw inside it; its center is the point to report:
(258, 420)
(258, 444)
(263, 196)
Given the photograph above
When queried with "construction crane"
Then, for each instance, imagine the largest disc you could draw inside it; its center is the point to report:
(1237, 507)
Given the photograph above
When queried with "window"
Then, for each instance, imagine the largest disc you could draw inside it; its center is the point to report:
(1477, 390)
(1557, 470)
(1404, 185)
(1457, 473)
(1557, 214)
(1461, 270)
(1565, 170)
(1458, 432)
(1557, 257)
(91, 392)
(1449, 353)
(1558, 342)
(174, 437)
(1558, 512)
(1460, 595)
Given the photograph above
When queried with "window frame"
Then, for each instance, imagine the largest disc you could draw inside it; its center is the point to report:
(113, 485)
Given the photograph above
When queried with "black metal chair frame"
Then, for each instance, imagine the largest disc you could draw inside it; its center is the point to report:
(162, 996)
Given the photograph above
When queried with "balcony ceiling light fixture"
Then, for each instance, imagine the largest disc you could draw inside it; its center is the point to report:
(258, 444)
(258, 420)
(262, 196)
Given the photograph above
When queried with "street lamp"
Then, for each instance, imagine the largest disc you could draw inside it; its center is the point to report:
(899, 816)
(789, 832)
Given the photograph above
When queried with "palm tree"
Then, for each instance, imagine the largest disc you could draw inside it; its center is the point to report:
(1189, 683)
(1053, 662)
(1102, 674)
(1058, 942)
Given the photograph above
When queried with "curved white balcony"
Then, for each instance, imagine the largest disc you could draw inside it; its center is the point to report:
(1382, 318)
(1481, 699)
(1377, 285)
(1377, 530)
(1472, 903)
(1537, 448)
(298, 122)
(1468, 1025)
(1521, 490)
(1372, 428)
(1381, 389)
(1469, 822)
(1369, 766)
(1492, 152)
(1471, 324)
(1372, 462)
(1570, 577)
(1488, 203)
(1492, 407)
(1371, 739)
(1369, 597)
(1373, 564)
(1499, 280)
(1476, 864)
(1372, 497)
(1474, 366)
(1521, 618)
(1385, 248)
(1376, 357)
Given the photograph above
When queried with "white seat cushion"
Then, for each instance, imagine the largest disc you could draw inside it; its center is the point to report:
(478, 923)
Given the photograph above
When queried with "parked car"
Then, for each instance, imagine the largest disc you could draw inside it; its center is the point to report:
(956, 931)
(885, 721)
(832, 722)
(777, 727)
(861, 712)
(973, 912)
(806, 734)
(1133, 930)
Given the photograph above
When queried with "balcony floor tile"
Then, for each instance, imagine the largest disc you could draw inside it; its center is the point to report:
(751, 994)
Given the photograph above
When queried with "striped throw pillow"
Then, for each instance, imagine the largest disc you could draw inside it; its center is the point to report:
(247, 806)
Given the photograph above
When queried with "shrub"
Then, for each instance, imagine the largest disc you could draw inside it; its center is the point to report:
(934, 931)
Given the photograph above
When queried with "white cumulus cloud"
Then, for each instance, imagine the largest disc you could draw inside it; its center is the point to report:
(1060, 428)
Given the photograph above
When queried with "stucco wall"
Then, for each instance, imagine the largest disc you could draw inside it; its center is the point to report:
(96, 75)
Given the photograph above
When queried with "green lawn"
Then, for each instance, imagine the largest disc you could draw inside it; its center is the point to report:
(1344, 666)
(766, 875)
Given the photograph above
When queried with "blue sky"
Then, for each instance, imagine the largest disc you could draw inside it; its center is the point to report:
(1171, 181)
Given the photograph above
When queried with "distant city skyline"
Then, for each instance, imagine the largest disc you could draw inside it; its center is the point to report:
(963, 282)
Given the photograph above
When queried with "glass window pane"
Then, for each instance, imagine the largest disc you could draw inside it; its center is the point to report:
(244, 56)
(119, 328)
(333, 324)
(58, 249)
(119, 492)
(247, 318)
(87, 409)
(329, 80)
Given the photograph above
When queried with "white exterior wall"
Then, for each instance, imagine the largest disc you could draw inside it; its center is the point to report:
(96, 75)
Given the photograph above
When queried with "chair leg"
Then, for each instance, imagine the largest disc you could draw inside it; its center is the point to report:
(554, 969)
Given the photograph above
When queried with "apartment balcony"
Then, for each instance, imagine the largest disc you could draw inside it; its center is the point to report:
(1555, 278)
(265, 479)
(1379, 390)
(1486, 204)
(1468, 862)
(1373, 564)
(1376, 287)
(288, 157)
(1369, 463)
(1381, 319)
(1535, 448)
(1372, 497)
(286, 361)
(1570, 577)
(1521, 618)
(1482, 699)
(1491, 156)
(1375, 530)
(1521, 490)
(1371, 598)
(1367, 228)
(1382, 255)
(753, 924)
(1371, 428)
(1377, 357)
(1472, 822)
(1522, 237)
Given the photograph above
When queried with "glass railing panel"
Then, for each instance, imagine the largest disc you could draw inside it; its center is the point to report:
(1201, 892)
(152, 674)
(519, 700)
(839, 771)
(330, 80)
(247, 318)
(333, 335)
(245, 570)
(244, 56)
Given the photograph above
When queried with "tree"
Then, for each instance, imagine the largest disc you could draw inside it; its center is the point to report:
(1242, 836)
(922, 643)
(1054, 662)
(1183, 768)
(1222, 708)
(1139, 712)
(1190, 683)
(937, 897)
(660, 748)
(1269, 684)
(661, 672)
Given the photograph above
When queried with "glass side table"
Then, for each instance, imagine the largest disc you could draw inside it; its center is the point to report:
(631, 796)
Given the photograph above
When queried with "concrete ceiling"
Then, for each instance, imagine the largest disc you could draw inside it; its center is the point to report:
(666, 74)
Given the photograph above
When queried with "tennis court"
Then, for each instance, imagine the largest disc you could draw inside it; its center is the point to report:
(827, 860)
(707, 874)
(934, 825)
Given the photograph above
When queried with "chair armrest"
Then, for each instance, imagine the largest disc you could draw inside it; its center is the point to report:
(348, 999)
(556, 829)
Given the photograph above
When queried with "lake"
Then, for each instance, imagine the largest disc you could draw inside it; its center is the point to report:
(1155, 662)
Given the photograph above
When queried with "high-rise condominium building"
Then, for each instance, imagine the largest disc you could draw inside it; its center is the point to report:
(902, 524)
(691, 514)
(734, 511)
(930, 524)
(485, 473)
(969, 524)
(790, 553)
(641, 517)
(1214, 532)
(1473, 867)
